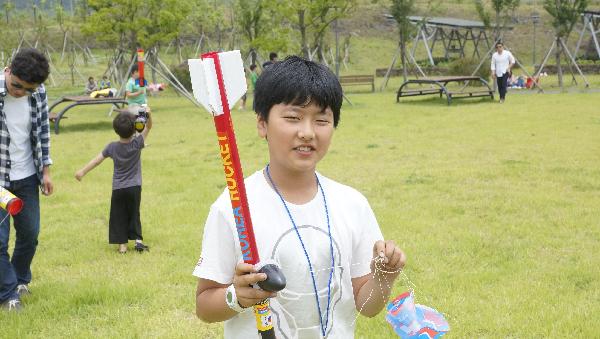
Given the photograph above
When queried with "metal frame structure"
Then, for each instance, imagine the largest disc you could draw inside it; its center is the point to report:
(591, 22)
(562, 46)
(454, 41)
(436, 29)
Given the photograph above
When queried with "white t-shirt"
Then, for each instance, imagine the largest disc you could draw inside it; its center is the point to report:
(18, 118)
(354, 230)
(500, 62)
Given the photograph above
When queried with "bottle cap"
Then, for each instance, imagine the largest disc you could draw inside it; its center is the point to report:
(14, 206)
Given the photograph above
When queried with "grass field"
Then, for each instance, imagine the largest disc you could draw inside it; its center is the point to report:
(495, 205)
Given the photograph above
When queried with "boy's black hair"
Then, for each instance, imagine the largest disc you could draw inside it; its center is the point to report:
(134, 69)
(300, 82)
(252, 67)
(30, 65)
(123, 124)
(499, 43)
(272, 56)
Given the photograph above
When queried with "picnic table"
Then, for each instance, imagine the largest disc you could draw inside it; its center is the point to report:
(439, 85)
(80, 100)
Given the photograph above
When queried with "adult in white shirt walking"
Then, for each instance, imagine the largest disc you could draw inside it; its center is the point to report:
(502, 63)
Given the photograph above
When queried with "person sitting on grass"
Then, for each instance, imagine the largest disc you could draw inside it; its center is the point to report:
(91, 86)
(104, 83)
(323, 234)
(124, 223)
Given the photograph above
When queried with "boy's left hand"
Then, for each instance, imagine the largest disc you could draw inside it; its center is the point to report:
(47, 185)
(392, 258)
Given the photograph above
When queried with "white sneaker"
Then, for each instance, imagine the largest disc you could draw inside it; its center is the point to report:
(23, 290)
(12, 305)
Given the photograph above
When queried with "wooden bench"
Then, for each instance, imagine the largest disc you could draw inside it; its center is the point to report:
(80, 100)
(414, 92)
(351, 80)
(473, 94)
(439, 85)
(52, 117)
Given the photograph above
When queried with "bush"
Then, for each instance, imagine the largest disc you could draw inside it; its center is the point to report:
(182, 72)
(583, 61)
(466, 66)
(436, 60)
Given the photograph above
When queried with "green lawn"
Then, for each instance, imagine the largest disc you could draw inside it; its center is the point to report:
(495, 205)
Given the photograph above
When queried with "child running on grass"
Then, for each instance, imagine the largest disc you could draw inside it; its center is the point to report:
(124, 223)
(301, 219)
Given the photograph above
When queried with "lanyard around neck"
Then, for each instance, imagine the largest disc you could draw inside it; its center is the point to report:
(310, 267)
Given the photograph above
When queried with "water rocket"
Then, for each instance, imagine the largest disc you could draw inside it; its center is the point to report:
(140, 61)
(9, 202)
(218, 82)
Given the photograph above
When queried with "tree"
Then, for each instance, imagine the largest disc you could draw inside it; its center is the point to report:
(165, 22)
(565, 14)
(201, 20)
(327, 14)
(64, 23)
(502, 10)
(313, 18)
(40, 25)
(8, 6)
(400, 10)
(82, 9)
(258, 21)
(131, 24)
(117, 22)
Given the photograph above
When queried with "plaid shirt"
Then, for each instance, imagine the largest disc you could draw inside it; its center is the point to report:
(39, 135)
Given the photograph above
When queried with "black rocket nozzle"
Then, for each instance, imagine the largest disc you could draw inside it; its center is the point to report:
(275, 279)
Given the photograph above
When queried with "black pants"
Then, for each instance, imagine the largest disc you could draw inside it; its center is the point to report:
(124, 223)
(502, 84)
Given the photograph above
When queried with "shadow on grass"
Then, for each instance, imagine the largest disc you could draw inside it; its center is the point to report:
(442, 102)
(83, 126)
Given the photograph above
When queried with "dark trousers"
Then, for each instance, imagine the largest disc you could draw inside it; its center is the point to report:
(502, 84)
(17, 270)
(124, 223)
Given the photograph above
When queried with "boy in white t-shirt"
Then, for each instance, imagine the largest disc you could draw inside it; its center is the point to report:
(301, 219)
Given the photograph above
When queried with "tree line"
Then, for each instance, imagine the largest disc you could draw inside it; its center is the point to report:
(299, 27)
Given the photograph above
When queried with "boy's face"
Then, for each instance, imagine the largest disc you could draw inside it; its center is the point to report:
(135, 75)
(298, 137)
(17, 87)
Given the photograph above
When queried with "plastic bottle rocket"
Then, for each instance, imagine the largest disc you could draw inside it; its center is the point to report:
(9, 202)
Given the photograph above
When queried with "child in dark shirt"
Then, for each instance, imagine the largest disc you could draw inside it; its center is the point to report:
(124, 221)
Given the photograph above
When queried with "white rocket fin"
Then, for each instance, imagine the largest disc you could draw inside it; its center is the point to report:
(204, 80)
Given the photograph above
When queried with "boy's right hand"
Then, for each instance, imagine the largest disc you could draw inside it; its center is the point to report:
(246, 276)
(79, 174)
